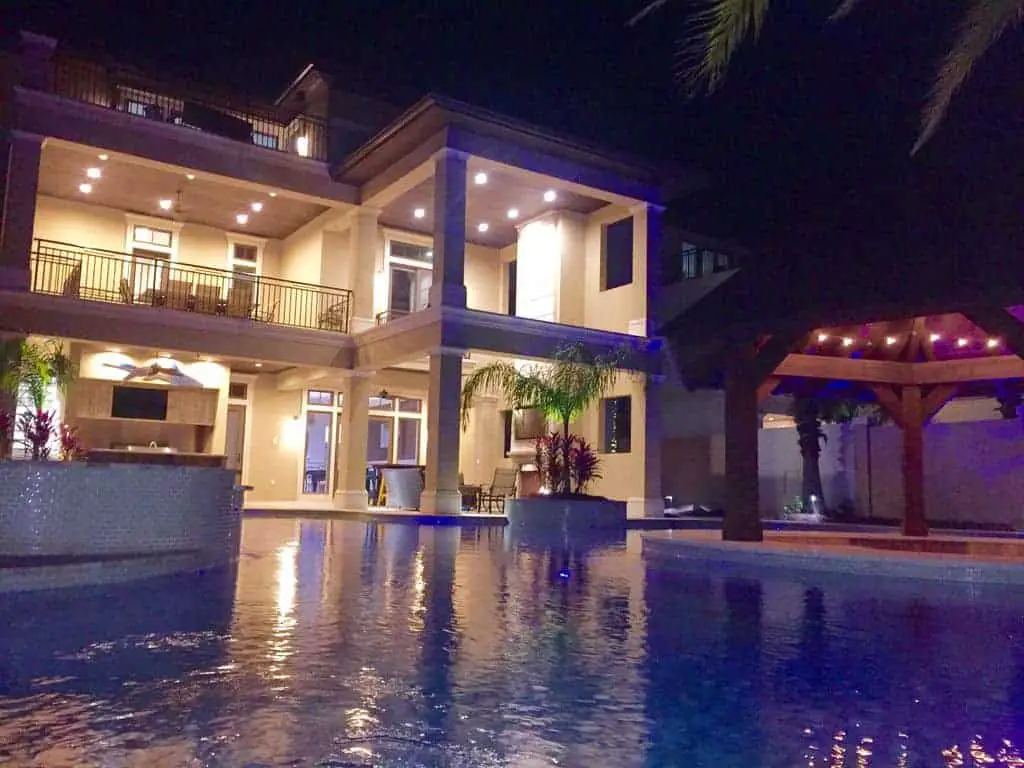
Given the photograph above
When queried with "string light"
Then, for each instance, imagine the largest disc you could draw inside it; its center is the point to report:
(890, 340)
(934, 337)
(992, 343)
(961, 342)
(822, 338)
(847, 341)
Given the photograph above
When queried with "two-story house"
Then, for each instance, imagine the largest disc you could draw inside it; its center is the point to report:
(323, 273)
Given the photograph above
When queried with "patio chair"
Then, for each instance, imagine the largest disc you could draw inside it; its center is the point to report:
(269, 315)
(239, 299)
(73, 282)
(207, 299)
(503, 486)
(124, 289)
(179, 294)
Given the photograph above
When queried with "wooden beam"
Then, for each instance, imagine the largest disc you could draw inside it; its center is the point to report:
(766, 387)
(998, 322)
(914, 522)
(912, 349)
(774, 351)
(932, 403)
(844, 369)
(968, 369)
(890, 402)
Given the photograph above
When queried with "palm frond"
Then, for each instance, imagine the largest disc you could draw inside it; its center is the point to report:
(648, 9)
(522, 390)
(716, 34)
(985, 21)
(845, 9)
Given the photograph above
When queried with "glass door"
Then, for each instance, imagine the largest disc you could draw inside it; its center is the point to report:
(317, 458)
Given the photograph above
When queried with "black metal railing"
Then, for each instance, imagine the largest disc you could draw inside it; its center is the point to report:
(122, 89)
(93, 274)
(383, 318)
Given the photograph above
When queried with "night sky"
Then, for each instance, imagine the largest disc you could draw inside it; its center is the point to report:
(811, 132)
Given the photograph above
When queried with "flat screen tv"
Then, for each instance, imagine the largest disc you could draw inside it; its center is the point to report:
(530, 424)
(139, 403)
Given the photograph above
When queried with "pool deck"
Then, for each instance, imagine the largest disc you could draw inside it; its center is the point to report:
(944, 557)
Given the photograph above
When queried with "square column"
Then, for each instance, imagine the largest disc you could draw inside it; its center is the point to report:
(350, 492)
(914, 523)
(742, 504)
(651, 503)
(19, 212)
(448, 287)
(444, 396)
(367, 259)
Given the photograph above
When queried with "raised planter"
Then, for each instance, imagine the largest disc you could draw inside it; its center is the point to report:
(72, 524)
(581, 520)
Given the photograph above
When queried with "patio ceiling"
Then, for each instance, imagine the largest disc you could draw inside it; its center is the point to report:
(127, 184)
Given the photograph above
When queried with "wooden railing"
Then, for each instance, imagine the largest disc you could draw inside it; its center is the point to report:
(92, 274)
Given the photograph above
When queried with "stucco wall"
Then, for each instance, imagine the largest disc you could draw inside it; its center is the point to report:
(483, 278)
(301, 255)
(276, 441)
(615, 309)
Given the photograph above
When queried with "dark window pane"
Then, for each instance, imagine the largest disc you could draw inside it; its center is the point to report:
(318, 452)
(617, 254)
(411, 252)
(615, 424)
(408, 405)
(317, 397)
(690, 264)
(378, 444)
(506, 417)
(512, 287)
(408, 441)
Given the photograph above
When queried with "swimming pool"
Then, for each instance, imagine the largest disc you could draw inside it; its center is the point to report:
(342, 643)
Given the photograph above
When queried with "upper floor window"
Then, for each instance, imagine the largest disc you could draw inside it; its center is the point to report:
(410, 273)
(394, 430)
(698, 262)
(617, 254)
(616, 417)
(245, 256)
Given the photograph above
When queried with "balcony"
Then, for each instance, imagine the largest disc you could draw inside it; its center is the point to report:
(118, 88)
(92, 274)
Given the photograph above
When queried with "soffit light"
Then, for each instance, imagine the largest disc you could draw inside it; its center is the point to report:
(93, 173)
(257, 365)
(190, 176)
(934, 337)
(550, 196)
(85, 188)
(419, 213)
(256, 207)
(103, 156)
(480, 178)
(961, 342)
(992, 343)
(166, 204)
(847, 341)
(483, 226)
(890, 340)
(822, 338)
(272, 194)
(513, 213)
(242, 218)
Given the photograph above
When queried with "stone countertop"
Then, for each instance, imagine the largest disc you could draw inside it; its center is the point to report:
(155, 458)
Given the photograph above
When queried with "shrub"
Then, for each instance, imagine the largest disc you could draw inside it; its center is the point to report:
(583, 462)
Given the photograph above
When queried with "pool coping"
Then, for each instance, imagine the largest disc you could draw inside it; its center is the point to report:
(776, 554)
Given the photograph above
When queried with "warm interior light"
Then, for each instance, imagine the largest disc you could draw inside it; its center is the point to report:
(890, 340)
(847, 341)
(103, 156)
(992, 343)
(258, 365)
(93, 173)
(419, 213)
(513, 213)
(242, 218)
(166, 204)
(483, 226)
(961, 342)
(85, 188)
(190, 176)
(480, 178)
(430, 254)
(822, 338)
(302, 146)
(272, 194)
(256, 207)
(550, 196)
(934, 337)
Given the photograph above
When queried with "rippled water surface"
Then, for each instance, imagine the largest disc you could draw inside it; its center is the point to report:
(357, 644)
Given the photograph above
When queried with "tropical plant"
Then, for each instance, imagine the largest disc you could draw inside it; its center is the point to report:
(810, 415)
(71, 447)
(561, 389)
(719, 29)
(27, 371)
(36, 429)
(583, 463)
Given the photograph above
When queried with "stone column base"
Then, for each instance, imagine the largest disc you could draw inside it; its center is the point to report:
(441, 503)
(352, 501)
(638, 508)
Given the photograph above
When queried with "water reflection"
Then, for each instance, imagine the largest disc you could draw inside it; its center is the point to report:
(372, 644)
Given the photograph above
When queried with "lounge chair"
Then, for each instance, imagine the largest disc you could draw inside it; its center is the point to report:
(503, 486)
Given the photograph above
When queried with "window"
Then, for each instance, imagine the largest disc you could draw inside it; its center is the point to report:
(617, 254)
(244, 255)
(411, 252)
(152, 243)
(395, 430)
(267, 140)
(615, 424)
(158, 237)
(238, 390)
(510, 277)
(322, 408)
(690, 261)
(506, 418)
(318, 397)
(411, 273)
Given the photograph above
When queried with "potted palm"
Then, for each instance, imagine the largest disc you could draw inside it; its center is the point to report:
(28, 370)
(562, 390)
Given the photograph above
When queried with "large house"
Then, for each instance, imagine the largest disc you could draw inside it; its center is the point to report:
(302, 286)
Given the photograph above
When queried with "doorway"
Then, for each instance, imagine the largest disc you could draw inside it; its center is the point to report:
(235, 440)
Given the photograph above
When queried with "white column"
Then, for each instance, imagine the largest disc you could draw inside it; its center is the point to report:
(350, 492)
(448, 288)
(651, 503)
(441, 495)
(366, 253)
(19, 212)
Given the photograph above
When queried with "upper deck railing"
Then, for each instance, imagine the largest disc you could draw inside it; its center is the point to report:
(93, 274)
(124, 90)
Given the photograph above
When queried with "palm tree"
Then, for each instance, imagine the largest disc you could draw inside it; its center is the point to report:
(722, 26)
(28, 369)
(561, 389)
(811, 414)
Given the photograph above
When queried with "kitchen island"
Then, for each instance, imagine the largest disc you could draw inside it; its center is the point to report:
(119, 515)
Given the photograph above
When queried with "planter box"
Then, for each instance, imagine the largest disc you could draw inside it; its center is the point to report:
(567, 515)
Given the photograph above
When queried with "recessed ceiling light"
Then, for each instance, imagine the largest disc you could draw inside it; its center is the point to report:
(419, 213)
(256, 207)
(847, 341)
(934, 337)
(242, 218)
(93, 173)
(104, 156)
(190, 176)
(272, 194)
(513, 213)
(992, 343)
(961, 342)
(890, 340)
(258, 365)
(85, 188)
(166, 204)
(822, 338)
(483, 226)
(550, 196)
(480, 178)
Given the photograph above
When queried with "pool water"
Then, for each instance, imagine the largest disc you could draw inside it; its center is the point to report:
(341, 643)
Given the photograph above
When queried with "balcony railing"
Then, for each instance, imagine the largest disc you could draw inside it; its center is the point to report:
(383, 318)
(92, 274)
(121, 89)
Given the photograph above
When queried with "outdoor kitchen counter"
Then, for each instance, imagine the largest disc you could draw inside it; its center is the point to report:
(154, 457)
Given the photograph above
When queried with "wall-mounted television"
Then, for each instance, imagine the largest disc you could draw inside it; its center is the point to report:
(139, 403)
(530, 424)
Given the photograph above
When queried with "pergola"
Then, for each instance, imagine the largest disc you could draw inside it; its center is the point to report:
(910, 357)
